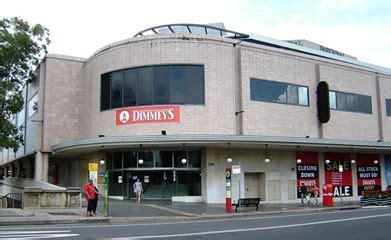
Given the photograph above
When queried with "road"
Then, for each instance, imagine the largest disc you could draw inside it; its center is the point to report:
(373, 223)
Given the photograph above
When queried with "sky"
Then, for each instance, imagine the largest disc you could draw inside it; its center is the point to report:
(361, 28)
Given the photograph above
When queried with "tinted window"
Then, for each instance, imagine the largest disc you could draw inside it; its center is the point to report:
(165, 84)
(116, 89)
(164, 159)
(269, 91)
(350, 102)
(177, 84)
(145, 83)
(130, 159)
(161, 94)
(117, 160)
(105, 92)
(388, 107)
(195, 85)
(130, 87)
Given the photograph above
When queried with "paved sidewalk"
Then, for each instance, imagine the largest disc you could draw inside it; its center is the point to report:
(125, 211)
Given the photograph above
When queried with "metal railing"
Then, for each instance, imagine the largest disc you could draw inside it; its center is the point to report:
(11, 200)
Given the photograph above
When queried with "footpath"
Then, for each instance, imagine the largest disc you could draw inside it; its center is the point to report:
(129, 211)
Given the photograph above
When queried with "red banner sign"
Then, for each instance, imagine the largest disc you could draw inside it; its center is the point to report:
(341, 181)
(307, 171)
(154, 114)
(368, 173)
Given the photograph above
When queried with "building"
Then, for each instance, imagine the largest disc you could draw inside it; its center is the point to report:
(171, 108)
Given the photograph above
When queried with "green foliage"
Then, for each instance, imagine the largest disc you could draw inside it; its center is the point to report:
(21, 48)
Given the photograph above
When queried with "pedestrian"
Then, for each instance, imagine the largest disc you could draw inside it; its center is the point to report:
(303, 194)
(316, 195)
(138, 190)
(90, 197)
(95, 201)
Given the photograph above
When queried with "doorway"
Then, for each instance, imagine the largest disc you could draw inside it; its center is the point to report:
(254, 185)
(156, 184)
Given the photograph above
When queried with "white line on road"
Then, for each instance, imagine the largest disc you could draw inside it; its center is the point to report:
(29, 232)
(257, 229)
(133, 224)
(36, 234)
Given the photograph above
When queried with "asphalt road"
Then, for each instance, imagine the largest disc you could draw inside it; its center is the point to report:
(374, 223)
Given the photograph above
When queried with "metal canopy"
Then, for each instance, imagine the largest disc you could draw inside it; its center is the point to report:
(192, 29)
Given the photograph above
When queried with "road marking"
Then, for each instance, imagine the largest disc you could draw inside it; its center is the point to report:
(37, 234)
(257, 229)
(369, 207)
(189, 221)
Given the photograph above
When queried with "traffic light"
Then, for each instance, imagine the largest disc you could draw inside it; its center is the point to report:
(322, 92)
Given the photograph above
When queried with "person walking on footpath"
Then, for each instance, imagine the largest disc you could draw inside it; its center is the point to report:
(138, 190)
(303, 194)
(95, 201)
(316, 195)
(90, 197)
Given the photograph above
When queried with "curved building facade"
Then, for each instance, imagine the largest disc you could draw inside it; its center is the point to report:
(170, 108)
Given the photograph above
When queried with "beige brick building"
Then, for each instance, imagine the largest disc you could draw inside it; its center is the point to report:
(238, 96)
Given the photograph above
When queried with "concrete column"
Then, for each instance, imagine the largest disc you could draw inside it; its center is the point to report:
(45, 166)
(11, 169)
(41, 166)
(17, 169)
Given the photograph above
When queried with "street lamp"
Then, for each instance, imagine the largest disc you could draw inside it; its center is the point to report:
(267, 160)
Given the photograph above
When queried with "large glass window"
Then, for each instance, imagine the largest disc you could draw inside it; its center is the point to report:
(270, 91)
(105, 92)
(130, 159)
(130, 87)
(350, 102)
(116, 89)
(388, 107)
(32, 105)
(164, 159)
(163, 84)
(144, 89)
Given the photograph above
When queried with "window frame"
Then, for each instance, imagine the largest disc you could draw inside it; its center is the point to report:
(110, 79)
(286, 97)
(347, 95)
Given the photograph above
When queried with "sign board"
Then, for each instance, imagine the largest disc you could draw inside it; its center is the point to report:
(341, 181)
(368, 173)
(307, 171)
(153, 114)
(235, 169)
(92, 167)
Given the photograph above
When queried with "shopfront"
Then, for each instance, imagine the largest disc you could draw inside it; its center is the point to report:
(163, 173)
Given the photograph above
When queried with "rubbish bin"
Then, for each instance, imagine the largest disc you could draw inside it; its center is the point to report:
(328, 195)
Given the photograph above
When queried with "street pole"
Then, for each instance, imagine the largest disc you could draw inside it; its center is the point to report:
(106, 196)
(240, 176)
(340, 190)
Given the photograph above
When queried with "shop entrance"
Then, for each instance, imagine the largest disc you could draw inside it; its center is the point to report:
(254, 185)
(156, 184)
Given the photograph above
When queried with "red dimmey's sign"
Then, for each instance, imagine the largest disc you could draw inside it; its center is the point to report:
(159, 114)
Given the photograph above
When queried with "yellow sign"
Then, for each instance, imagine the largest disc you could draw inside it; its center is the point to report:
(92, 167)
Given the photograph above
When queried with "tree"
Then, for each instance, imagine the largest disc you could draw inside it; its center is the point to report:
(21, 48)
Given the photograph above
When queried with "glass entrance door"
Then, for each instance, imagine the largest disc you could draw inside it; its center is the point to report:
(156, 184)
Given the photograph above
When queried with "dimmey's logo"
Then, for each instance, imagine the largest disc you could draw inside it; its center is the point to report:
(124, 117)
(148, 115)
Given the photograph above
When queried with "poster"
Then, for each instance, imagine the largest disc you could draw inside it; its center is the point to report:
(307, 172)
(341, 181)
(368, 173)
